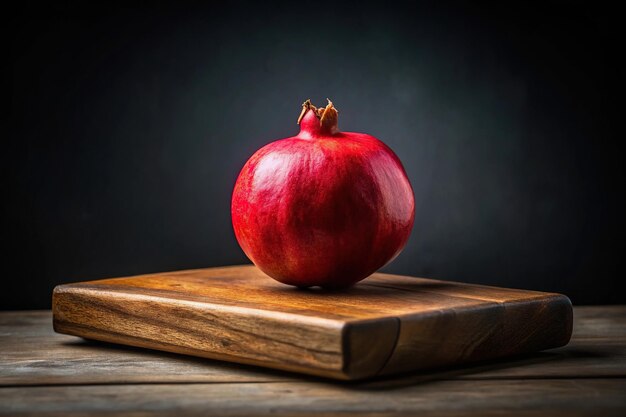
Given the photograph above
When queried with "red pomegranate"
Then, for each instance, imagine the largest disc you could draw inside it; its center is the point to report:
(323, 208)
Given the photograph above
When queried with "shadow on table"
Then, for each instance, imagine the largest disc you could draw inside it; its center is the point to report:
(508, 368)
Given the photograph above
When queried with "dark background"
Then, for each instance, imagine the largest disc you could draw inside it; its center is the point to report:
(128, 126)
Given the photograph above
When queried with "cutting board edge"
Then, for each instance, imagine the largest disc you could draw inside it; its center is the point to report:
(68, 298)
(550, 319)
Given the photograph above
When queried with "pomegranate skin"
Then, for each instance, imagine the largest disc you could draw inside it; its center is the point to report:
(323, 208)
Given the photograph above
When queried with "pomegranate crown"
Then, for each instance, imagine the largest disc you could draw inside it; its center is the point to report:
(327, 116)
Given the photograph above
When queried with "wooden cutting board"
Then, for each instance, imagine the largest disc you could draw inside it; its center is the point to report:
(385, 324)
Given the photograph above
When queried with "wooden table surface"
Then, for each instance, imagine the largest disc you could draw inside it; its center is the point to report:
(45, 373)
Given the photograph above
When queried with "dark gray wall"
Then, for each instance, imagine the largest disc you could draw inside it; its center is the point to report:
(128, 127)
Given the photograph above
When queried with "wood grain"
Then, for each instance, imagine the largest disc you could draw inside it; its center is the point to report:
(31, 353)
(44, 373)
(596, 397)
(388, 324)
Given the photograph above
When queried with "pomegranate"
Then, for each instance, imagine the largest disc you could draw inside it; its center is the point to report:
(323, 208)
